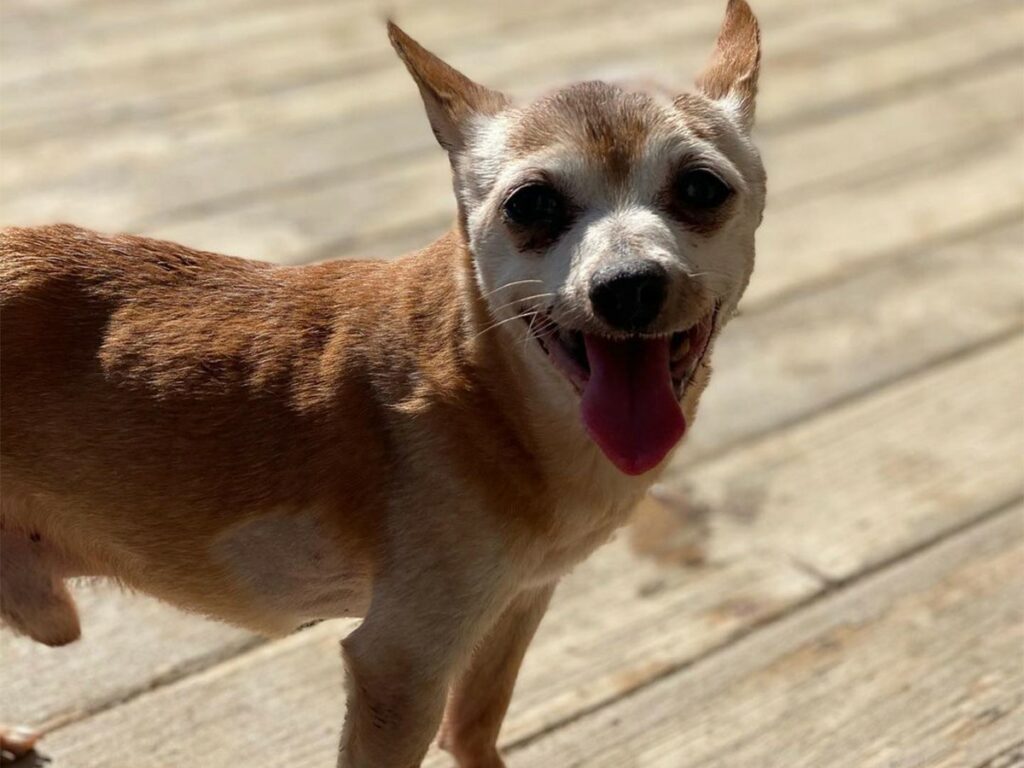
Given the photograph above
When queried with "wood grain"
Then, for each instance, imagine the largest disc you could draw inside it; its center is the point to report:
(135, 175)
(916, 667)
(101, 72)
(130, 643)
(817, 348)
(855, 488)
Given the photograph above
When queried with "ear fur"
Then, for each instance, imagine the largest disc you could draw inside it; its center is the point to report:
(450, 97)
(731, 73)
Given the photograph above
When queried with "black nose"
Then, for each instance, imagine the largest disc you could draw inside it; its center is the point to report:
(628, 296)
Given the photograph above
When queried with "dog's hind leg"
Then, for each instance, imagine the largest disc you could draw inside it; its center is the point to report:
(33, 597)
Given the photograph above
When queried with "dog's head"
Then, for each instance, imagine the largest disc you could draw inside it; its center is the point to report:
(613, 224)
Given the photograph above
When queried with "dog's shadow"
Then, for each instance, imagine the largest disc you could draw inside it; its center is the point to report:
(32, 760)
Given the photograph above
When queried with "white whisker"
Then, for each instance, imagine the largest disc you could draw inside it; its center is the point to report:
(710, 273)
(524, 299)
(509, 285)
(529, 330)
(494, 325)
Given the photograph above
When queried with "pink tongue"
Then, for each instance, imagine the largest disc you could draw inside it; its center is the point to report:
(628, 405)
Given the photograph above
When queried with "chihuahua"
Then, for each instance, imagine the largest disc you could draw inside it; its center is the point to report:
(428, 443)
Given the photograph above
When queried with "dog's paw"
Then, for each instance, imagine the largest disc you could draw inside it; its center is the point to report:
(16, 742)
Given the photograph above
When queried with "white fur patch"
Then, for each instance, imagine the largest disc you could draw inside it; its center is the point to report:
(287, 564)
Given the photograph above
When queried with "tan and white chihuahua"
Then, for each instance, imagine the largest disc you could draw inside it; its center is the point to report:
(430, 443)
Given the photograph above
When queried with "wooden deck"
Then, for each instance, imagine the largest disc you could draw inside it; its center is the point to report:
(833, 575)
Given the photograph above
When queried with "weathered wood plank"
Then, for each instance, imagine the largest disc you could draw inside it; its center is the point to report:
(355, 50)
(119, 180)
(793, 359)
(825, 346)
(52, 45)
(842, 493)
(294, 46)
(282, 44)
(602, 637)
(130, 643)
(130, 173)
(916, 666)
(1011, 757)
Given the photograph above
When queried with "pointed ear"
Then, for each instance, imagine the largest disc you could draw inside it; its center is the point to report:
(731, 74)
(450, 97)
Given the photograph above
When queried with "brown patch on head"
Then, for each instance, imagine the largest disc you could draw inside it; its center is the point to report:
(700, 117)
(603, 122)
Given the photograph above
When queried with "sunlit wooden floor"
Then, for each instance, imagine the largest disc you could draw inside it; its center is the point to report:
(832, 575)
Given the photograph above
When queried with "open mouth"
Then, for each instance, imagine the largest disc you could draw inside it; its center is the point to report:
(567, 350)
(630, 386)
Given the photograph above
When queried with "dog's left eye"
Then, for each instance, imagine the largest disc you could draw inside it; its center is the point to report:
(700, 189)
(536, 206)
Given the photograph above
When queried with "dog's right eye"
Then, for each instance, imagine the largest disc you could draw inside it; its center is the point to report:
(538, 207)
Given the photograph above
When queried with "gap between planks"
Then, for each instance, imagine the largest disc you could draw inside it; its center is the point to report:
(795, 120)
(699, 25)
(791, 645)
(339, 136)
(829, 589)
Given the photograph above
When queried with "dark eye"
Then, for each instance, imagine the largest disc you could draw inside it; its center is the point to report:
(700, 189)
(536, 206)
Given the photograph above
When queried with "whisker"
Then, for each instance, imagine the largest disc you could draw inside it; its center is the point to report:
(494, 325)
(574, 315)
(509, 285)
(526, 298)
(710, 273)
(545, 326)
(529, 330)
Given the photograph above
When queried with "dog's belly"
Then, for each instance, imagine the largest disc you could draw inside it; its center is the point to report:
(291, 571)
(270, 572)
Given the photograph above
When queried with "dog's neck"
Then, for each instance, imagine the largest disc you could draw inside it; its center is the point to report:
(526, 402)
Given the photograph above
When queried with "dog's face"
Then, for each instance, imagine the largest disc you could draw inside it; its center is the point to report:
(613, 225)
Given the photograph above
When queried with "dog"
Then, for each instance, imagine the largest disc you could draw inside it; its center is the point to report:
(428, 443)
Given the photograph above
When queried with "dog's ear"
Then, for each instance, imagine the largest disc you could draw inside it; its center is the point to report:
(450, 97)
(731, 74)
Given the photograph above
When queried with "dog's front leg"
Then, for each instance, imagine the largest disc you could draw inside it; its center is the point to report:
(400, 663)
(481, 694)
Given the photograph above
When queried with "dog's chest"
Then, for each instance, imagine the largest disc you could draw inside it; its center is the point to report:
(288, 565)
(578, 529)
